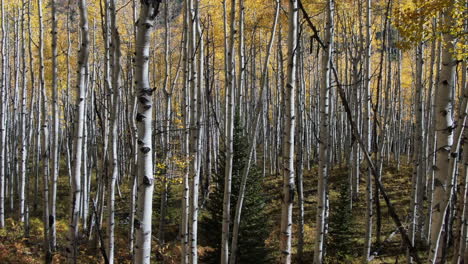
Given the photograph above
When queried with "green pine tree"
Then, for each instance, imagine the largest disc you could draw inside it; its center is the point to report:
(340, 240)
(254, 221)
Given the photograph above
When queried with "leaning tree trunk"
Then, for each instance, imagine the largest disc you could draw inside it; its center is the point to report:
(252, 140)
(75, 191)
(288, 137)
(149, 9)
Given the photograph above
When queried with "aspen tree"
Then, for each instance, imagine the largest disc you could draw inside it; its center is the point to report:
(367, 129)
(186, 144)
(134, 140)
(167, 125)
(3, 103)
(115, 67)
(230, 108)
(288, 137)
(55, 132)
(149, 9)
(45, 133)
(75, 191)
(196, 77)
(23, 141)
(324, 144)
(444, 128)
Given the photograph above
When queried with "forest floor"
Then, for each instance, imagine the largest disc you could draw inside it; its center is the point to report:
(15, 248)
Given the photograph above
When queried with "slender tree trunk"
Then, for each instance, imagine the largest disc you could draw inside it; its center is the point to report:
(288, 137)
(55, 132)
(367, 132)
(230, 90)
(115, 67)
(324, 143)
(186, 145)
(148, 12)
(76, 186)
(23, 141)
(252, 140)
(3, 103)
(45, 136)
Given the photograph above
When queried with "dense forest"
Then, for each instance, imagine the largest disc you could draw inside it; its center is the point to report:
(233, 131)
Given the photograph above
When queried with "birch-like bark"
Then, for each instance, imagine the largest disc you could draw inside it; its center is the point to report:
(417, 183)
(324, 143)
(115, 67)
(288, 137)
(45, 134)
(23, 141)
(3, 103)
(167, 126)
(186, 143)
(149, 9)
(444, 127)
(196, 67)
(135, 144)
(230, 108)
(55, 132)
(241, 73)
(75, 191)
(367, 131)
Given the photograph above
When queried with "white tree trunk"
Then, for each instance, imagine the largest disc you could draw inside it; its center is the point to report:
(195, 42)
(23, 141)
(75, 192)
(288, 137)
(3, 103)
(444, 128)
(230, 108)
(148, 12)
(55, 133)
(186, 145)
(367, 132)
(325, 141)
(115, 67)
(45, 133)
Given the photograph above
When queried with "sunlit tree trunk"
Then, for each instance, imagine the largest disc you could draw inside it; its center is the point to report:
(444, 128)
(148, 12)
